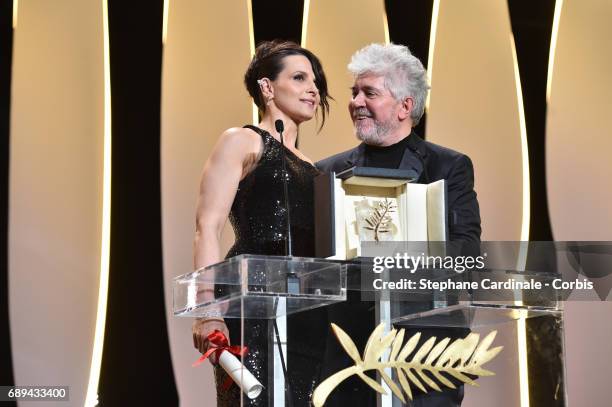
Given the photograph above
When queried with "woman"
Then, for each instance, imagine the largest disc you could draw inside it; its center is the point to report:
(242, 179)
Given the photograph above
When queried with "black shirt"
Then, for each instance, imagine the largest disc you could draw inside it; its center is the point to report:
(386, 157)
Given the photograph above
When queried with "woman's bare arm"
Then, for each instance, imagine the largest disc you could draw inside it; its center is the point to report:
(222, 172)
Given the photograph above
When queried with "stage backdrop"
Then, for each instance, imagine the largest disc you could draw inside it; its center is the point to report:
(55, 192)
(578, 145)
(56, 157)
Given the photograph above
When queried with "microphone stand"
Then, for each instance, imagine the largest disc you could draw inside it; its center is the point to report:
(280, 127)
(293, 283)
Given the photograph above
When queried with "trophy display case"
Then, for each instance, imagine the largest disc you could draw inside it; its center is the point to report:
(375, 204)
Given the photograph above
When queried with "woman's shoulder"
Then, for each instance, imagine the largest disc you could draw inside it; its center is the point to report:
(240, 138)
(240, 134)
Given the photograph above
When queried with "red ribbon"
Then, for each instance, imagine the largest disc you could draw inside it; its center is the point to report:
(218, 344)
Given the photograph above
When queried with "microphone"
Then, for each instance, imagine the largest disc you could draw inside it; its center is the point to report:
(280, 127)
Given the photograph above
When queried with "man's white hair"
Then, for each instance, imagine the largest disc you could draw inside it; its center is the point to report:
(404, 74)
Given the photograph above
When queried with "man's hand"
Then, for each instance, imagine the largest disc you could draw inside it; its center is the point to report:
(201, 328)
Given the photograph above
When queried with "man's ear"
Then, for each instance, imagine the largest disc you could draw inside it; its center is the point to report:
(267, 90)
(406, 108)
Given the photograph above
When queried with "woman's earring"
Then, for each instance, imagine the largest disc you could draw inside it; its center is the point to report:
(262, 83)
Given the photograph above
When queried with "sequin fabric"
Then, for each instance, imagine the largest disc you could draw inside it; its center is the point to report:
(258, 217)
(258, 214)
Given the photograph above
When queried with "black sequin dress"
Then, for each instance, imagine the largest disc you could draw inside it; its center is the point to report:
(258, 217)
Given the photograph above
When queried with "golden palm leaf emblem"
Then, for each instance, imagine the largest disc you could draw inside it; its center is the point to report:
(460, 358)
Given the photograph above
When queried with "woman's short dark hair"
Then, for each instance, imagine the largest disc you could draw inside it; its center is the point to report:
(268, 63)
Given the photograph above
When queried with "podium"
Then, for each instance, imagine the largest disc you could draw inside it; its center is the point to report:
(265, 300)
(254, 293)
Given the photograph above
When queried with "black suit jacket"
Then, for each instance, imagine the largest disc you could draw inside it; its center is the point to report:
(432, 162)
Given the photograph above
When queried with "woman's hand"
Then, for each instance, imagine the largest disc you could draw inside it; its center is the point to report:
(201, 328)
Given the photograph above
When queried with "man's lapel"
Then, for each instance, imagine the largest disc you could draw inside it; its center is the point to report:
(357, 157)
(410, 159)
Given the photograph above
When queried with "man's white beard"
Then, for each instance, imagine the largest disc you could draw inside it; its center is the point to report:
(376, 135)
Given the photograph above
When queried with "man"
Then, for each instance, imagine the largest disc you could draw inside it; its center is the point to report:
(388, 100)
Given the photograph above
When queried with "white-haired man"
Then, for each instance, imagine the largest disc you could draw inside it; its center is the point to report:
(388, 100)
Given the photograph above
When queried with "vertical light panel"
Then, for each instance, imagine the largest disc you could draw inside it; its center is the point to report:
(526, 210)
(56, 192)
(91, 397)
(474, 108)
(254, 108)
(386, 27)
(305, 18)
(432, 45)
(335, 30)
(165, 21)
(207, 51)
(15, 6)
(553, 47)
(578, 168)
(521, 328)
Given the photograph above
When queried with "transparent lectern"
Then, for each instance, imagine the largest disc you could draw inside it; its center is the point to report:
(274, 288)
(257, 294)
